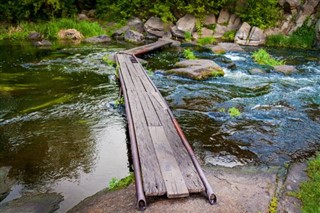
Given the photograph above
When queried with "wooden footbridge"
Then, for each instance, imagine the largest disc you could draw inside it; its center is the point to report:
(164, 163)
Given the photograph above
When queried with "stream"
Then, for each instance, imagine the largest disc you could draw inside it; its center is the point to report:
(60, 131)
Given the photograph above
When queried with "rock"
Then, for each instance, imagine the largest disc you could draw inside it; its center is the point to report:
(155, 26)
(91, 13)
(98, 39)
(232, 66)
(223, 18)
(295, 176)
(42, 43)
(220, 30)
(285, 69)
(82, 17)
(231, 47)
(70, 34)
(177, 33)
(256, 71)
(256, 37)
(186, 24)
(217, 49)
(4, 185)
(200, 69)
(120, 32)
(42, 203)
(134, 37)
(209, 20)
(174, 43)
(35, 36)
(136, 24)
(205, 32)
(242, 34)
(271, 31)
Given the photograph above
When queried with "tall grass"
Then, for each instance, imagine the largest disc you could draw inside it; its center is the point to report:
(262, 57)
(50, 29)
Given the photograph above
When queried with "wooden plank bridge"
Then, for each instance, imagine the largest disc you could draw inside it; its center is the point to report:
(163, 160)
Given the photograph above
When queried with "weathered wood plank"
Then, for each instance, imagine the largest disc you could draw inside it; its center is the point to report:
(148, 47)
(152, 179)
(170, 170)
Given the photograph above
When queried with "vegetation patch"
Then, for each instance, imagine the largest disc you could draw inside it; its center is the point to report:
(303, 37)
(116, 184)
(187, 36)
(188, 54)
(206, 40)
(51, 28)
(229, 36)
(309, 192)
(234, 112)
(262, 57)
(273, 205)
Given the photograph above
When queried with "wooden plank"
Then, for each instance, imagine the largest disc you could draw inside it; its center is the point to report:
(170, 170)
(153, 182)
(148, 47)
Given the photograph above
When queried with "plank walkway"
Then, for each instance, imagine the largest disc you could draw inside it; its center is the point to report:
(149, 47)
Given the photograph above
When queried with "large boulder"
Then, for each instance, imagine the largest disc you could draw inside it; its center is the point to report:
(234, 22)
(285, 69)
(118, 34)
(4, 185)
(223, 18)
(136, 24)
(224, 47)
(205, 32)
(242, 34)
(134, 37)
(98, 39)
(200, 69)
(186, 24)
(220, 30)
(155, 26)
(70, 34)
(209, 20)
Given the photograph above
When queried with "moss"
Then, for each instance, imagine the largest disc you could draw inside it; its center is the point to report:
(262, 57)
(116, 184)
(107, 59)
(234, 112)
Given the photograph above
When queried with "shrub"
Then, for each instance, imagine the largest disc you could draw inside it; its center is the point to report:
(229, 36)
(260, 13)
(188, 54)
(262, 57)
(187, 36)
(206, 40)
(303, 37)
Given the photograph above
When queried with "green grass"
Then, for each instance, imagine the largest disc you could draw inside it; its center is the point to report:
(229, 36)
(262, 57)
(303, 37)
(309, 192)
(50, 29)
(206, 40)
(188, 54)
(116, 184)
(187, 36)
(234, 112)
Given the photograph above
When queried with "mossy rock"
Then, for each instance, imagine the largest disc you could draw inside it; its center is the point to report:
(200, 69)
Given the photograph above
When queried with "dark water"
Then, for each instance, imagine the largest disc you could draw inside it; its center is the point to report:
(57, 130)
(59, 133)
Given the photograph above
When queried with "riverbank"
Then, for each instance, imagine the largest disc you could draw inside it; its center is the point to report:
(240, 189)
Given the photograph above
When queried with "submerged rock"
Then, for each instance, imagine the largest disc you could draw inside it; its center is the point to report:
(42, 203)
(42, 43)
(134, 37)
(223, 47)
(285, 69)
(4, 186)
(256, 71)
(70, 34)
(200, 69)
(98, 39)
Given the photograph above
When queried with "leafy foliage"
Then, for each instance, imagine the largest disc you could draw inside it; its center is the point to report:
(116, 184)
(229, 36)
(188, 54)
(260, 13)
(234, 112)
(303, 37)
(309, 192)
(262, 57)
(206, 40)
(187, 36)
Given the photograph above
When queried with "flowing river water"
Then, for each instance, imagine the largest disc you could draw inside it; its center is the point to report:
(60, 131)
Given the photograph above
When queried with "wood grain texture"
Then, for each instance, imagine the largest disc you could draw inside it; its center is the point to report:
(170, 170)
(148, 47)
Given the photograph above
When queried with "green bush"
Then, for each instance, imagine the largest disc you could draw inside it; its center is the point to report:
(262, 57)
(188, 54)
(303, 37)
(260, 13)
(187, 36)
(206, 40)
(229, 36)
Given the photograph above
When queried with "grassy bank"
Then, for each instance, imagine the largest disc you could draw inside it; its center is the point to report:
(51, 28)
